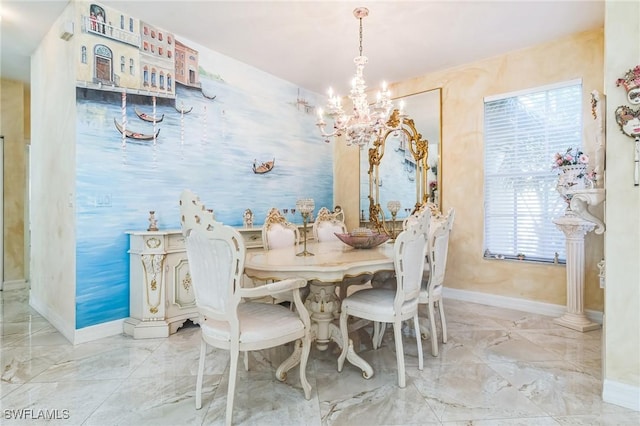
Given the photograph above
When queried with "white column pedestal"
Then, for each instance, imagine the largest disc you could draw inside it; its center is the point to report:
(575, 229)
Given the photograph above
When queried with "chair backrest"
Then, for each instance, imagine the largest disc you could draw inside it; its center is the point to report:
(216, 255)
(327, 224)
(438, 250)
(410, 248)
(277, 232)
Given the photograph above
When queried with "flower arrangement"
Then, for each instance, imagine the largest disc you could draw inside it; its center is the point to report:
(631, 79)
(571, 157)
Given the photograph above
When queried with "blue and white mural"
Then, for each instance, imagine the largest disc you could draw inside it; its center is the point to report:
(253, 116)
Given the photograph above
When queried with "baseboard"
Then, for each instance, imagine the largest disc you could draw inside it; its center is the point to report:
(621, 394)
(99, 331)
(54, 319)
(14, 285)
(524, 305)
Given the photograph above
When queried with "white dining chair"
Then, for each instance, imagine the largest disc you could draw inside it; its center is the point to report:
(277, 232)
(432, 283)
(228, 318)
(325, 227)
(384, 305)
(432, 279)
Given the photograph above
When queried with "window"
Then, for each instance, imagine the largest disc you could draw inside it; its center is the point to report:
(522, 132)
(122, 63)
(131, 66)
(122, 22)
(83, 53)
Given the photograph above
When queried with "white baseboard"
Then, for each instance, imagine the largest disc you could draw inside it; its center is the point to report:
(13, 285)
(99, 331)
(83, 335)
(524, 305)
(67, 330)
(621, 394)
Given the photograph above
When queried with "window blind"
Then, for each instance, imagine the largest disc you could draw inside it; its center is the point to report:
(522, 132)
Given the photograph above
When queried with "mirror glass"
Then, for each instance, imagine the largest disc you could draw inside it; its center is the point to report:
(396, 174)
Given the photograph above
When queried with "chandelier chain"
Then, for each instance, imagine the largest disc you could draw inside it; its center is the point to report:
(360, 36)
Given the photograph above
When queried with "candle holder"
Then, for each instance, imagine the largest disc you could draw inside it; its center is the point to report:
(394, 208)
(305, 206)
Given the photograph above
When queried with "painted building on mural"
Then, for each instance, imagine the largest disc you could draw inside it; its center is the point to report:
(187, 69)
(157, 60)
(119, 51)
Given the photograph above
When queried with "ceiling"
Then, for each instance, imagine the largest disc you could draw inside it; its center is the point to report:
(312, 43)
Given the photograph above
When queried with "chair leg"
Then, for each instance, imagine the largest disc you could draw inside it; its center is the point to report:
(378, 333)
(443, 322)
(434, 332)
(233, 369)
(345, 338)
(397, 336)
(246, 360)
(203, 354)
(416, 325)
(306, 348)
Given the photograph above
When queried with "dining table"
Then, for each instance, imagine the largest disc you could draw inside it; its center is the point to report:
(327, 265)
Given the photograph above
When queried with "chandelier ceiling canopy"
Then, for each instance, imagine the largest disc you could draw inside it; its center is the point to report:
(366, 122)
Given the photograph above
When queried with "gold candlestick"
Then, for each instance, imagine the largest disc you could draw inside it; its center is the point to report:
(394, 208)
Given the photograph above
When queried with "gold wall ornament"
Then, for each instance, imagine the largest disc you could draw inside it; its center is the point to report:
(418, 148)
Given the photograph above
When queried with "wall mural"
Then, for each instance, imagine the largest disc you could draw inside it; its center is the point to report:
(153, 120)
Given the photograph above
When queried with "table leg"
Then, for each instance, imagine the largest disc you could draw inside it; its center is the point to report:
(352, 356)
(323, 306)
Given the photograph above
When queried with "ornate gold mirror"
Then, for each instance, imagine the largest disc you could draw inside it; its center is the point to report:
(402, 169)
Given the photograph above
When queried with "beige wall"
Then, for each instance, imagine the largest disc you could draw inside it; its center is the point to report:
(622, 240)
(12, 113)
(463, 90)
(53, 157)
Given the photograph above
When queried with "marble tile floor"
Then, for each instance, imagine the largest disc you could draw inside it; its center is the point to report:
(499, 367)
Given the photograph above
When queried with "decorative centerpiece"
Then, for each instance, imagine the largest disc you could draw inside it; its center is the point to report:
(362, 238)
(572, 172)
(305, 206)
(247, 218)
(153, 222)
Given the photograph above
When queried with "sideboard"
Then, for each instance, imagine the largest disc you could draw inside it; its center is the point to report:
(161, 294)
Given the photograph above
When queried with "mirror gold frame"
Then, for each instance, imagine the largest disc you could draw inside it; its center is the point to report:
(411, 154)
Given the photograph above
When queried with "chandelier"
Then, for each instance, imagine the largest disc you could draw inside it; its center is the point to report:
(367, 122)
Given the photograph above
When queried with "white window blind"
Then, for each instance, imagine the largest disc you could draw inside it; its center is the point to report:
(522, 132)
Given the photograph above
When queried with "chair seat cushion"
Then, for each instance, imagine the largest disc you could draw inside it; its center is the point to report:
(375, 304)
(258, 322)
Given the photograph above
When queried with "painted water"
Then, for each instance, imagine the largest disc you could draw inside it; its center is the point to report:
(210, 150)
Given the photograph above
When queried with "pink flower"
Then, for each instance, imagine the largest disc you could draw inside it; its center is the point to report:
(583, 159)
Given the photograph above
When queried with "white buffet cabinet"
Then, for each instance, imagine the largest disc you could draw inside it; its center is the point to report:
(161, 294)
